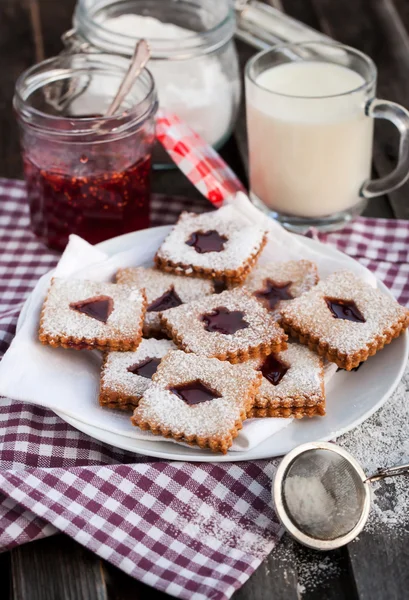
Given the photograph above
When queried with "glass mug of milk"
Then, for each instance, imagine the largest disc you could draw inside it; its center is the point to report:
(310, 114)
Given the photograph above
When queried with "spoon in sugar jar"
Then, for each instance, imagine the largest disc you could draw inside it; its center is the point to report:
(322, 496)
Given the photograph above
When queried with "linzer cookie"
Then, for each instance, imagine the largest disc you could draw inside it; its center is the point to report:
(276, 283)
(230, 326)
(292, 384)
(220, 245)
(345, 319)
(126, 376)
(163, 291)
(91, 315)
(198, 400)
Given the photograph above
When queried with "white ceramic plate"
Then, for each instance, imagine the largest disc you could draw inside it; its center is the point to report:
(351, 397)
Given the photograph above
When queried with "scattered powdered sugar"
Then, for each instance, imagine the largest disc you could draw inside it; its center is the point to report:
(302, 274)
(156, 283)
(312, 570)
(216, 417)
(61, 320)
(243, 240)
(186, 323)
(205, 519)
(115, 375)
(303, 378)
(383, 440)
(311, 313)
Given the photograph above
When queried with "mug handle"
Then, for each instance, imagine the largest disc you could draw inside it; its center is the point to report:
(399, 116)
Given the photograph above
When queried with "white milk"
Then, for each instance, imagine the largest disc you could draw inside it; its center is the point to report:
(309, 155)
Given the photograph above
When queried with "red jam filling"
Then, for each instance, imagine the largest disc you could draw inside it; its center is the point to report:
(169, 299)
(195, 392)
(207, 241)
(345, 309)
(222, 320)
(99, 307)
(94, 206)
(146, 368)
(273, 369)
(273, 293)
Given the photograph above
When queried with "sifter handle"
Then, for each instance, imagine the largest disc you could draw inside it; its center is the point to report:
(382, 473)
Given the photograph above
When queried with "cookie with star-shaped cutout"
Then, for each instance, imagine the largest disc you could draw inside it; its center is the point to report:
(230, 326)
(220, 245)
(277, 283)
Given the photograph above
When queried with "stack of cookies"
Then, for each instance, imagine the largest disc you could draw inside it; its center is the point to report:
(192, 364)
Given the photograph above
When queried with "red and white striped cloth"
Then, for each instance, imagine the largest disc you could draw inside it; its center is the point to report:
(201, 164)
(195, 531)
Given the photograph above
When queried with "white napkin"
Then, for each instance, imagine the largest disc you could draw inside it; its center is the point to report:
(286, 246)
(67, 380)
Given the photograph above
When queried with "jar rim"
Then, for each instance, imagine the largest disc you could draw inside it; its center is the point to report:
(251, 65)
(204, 41)
(36, 77)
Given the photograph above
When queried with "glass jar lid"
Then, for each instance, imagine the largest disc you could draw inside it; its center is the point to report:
(209, 23)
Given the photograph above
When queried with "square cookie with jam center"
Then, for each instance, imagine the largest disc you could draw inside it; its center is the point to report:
(197, 400)
(216, 245)
(345, 319)
(163, 291)
(125, 376)
(292, 384)
(277, 283)
(92, 315)
(230, 326)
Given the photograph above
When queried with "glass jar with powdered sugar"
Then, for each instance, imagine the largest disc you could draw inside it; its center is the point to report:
(194, 61)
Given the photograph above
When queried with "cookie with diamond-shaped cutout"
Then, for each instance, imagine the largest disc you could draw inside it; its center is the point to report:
(163, 291)
(198, 400)
(292, 384)
(345, 319)
(125, 376)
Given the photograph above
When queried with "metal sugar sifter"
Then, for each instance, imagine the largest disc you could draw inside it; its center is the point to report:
(322, 495)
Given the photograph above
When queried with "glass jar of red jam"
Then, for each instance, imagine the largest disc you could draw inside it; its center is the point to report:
(85, 174)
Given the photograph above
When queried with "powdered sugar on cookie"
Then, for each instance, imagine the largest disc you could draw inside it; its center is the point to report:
(186, 326)
(118, 383)
(156, 284)
(213, 423)
(243, 242)
(301, 385)
(301, 275)
(60, 321)
(309, 315)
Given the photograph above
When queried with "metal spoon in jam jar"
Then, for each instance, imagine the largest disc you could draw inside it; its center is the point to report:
(139, 60)
(60, 97)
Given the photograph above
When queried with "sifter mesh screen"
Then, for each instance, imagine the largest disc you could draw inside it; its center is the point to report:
(323, 494)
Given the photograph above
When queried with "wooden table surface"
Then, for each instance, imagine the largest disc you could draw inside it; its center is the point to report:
(375, 567)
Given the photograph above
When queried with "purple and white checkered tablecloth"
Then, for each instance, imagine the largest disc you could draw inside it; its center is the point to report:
(195, 531)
